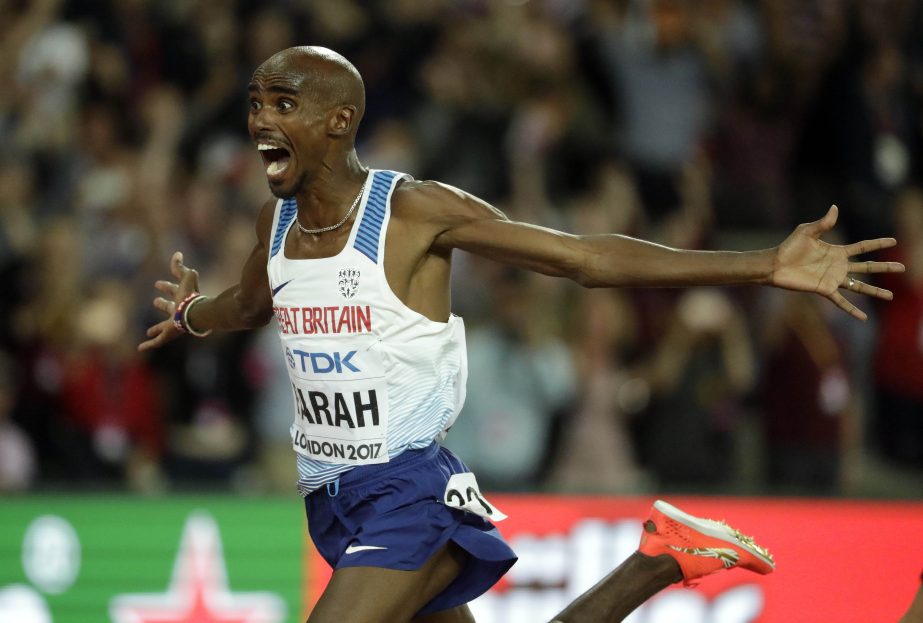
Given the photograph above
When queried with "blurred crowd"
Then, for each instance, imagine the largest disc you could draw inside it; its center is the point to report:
(694, 123)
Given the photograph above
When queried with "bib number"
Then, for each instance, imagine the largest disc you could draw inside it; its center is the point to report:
(462, 492)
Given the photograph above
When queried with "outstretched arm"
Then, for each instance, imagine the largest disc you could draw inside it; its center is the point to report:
(802, 262)
(246, 305)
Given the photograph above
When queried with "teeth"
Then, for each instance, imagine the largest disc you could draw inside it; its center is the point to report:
(265, 146)
(276, 167)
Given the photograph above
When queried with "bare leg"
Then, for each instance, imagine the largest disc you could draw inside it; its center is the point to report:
(915, 613)
(460, 614)
(615, 596)
(674, 546)
(375, 595)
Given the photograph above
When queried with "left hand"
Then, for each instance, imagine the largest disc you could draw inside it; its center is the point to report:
(804, 262)
(187, 281)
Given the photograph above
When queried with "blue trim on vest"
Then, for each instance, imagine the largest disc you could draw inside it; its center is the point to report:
(369, 233)
(286, 214)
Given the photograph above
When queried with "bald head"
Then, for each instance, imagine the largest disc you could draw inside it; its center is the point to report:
(320, 74)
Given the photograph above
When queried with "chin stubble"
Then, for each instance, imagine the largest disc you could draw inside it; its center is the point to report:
(284, 193)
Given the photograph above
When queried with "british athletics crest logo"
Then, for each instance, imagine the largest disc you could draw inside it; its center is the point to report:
(348, 282)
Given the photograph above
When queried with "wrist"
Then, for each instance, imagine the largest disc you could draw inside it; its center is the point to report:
(765, 266)
(181, 315)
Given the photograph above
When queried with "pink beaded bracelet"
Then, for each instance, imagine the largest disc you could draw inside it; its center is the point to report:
(181, 315)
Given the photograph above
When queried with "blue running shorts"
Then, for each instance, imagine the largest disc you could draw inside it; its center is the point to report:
(393, 516)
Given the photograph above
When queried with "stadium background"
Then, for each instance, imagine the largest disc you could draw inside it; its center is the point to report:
(708, 124)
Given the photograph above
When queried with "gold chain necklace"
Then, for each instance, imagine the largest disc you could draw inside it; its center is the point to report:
(349, 213)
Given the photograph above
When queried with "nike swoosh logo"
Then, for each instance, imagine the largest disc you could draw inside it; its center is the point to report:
(275, 290)
(353, 549)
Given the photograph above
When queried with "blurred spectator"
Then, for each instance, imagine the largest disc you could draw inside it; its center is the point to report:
(462, 113)
(611, 205)
(664, 100)
(122, 139)
(808, 399)
(805, 37)
(17, 458)
(116, 242)
(898, 425)
(861, 129)
(392, 145)
(272, 415)
(699, 375)
(109, 394)
(51, 65)
(17, 227)
(595, 453)
(18, 232)
(44, 330)
(754, 143)
(521, 376)
(211, 383)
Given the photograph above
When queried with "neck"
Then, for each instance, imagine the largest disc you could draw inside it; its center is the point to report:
(325, 199)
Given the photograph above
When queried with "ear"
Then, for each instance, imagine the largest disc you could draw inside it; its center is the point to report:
(341, 120)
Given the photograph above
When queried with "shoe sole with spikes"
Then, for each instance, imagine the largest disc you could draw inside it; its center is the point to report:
(700, 546)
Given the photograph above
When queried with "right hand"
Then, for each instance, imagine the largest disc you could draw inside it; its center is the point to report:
(806, 263)
(187, 282)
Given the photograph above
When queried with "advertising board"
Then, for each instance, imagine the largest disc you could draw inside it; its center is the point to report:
(140, 560)
(208, 559)
(837, 561)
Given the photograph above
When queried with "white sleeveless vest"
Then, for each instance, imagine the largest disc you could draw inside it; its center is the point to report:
(370, 377)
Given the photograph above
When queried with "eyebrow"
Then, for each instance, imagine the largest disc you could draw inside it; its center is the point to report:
(274, 88)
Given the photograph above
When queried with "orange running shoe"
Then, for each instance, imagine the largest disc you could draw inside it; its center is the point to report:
(700, 546)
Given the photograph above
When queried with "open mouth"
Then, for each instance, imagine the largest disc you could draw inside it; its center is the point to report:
(275, 158)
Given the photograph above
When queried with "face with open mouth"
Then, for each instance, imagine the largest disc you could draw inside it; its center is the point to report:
(280, 120)
(305, 104)
(276, 159)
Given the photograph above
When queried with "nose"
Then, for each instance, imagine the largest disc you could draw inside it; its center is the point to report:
(259, 120)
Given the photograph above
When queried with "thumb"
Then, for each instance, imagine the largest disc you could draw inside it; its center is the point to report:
(822, 226)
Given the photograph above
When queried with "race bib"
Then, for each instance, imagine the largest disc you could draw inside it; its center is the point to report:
(462, 492)
(341, 404)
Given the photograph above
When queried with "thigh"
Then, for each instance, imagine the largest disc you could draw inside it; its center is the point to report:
(377, 595)
(461, 614)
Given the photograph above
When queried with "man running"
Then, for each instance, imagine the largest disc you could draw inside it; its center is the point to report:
(354, 264)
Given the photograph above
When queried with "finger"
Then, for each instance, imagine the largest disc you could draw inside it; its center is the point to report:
(176, 265)
(875, 267)
(159, 334)
(167, 307)
(159, 328)
(167, 287)
(867, 246)
(859, 287)
(848, 307)
(151, 343)
(819, 227)
(190, 279)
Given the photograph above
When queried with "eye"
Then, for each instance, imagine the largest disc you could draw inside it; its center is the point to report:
(286, 105)
(255, 105)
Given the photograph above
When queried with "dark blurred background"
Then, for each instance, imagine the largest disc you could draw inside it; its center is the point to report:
(700, 124)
